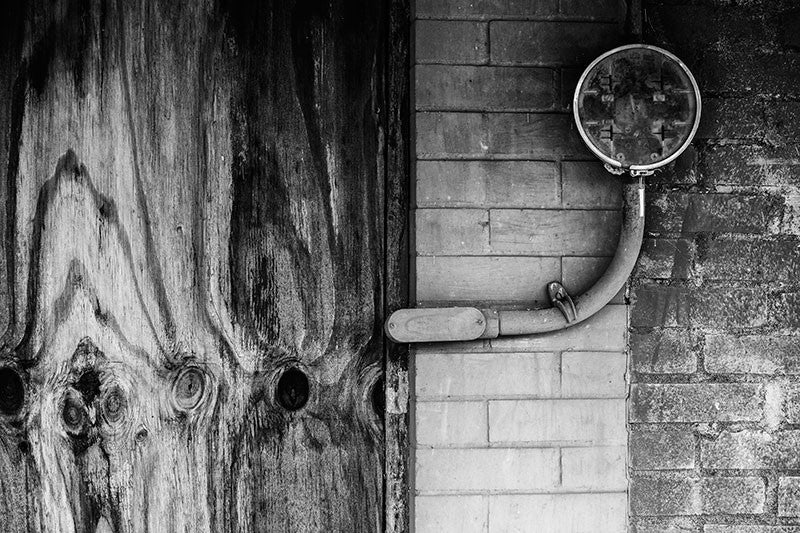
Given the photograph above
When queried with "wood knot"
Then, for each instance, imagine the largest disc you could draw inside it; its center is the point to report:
(75, 414)
(12, 391)
(114, 405)
(189, 388)
(293, 389)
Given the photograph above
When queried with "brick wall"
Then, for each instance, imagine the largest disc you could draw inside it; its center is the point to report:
(715, 352)
(516, 434)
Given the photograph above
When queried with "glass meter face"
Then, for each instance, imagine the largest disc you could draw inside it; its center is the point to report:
(637, 107)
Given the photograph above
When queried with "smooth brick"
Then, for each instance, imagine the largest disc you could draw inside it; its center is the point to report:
(752, 449)
(503, 469)
(452, 231)
(554, 232)
(664, 496)
(558, 513)
(789, 497)
(594, 469)
(531, 184)
(550, 43)
(605, 331)
(702, 402)
(752, 354)
(443, 423)
(490, 280)
(593, 375)
(451, 514)
(468, 88)
(661, 448)
(548, 136)
(590, 185)
(486, 8)
(568, 421)
(487, 375)
(662, 351)
(440, 41)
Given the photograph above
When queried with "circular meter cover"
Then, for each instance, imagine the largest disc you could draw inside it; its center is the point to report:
(637, 107)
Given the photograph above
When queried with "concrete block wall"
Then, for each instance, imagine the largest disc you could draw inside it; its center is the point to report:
(715, 351)
(515, 434)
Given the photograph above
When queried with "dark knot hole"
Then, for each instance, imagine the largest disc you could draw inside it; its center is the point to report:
(293, 389)
(12, 391)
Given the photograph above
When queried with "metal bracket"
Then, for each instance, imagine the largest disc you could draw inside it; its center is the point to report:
(618, 171)
(562, 301)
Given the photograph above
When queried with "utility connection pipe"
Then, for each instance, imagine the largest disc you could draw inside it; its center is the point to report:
(470, 323)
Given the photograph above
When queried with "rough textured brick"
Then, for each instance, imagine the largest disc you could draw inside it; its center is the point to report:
(486, 8)
(742, 528)
(749, 164)
(487, 184)
(576, 422)
(593, 375)
(688, 213)
(468, 88)
(727, 307)
(709, 306)
(441, 423)
(790, 397)
(665, 525)
(550, 43)
(589, 185)
(486, 375)
(752, 354)
(749, 260)
(605, 331)
(502, 469)
(554, 232)
(443, 135)
(665, 258)
(662, 351)
(594, 469)
(664, 496)
(439, 41)
(661, 448)
(789, 496)
(451, 514)
(745, 72)
(486, 279)
(659, 306)
(452, 231)
(752, 449)
(701, 402)
(558, 513)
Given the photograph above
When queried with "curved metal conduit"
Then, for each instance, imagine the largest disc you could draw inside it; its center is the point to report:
(470, 323)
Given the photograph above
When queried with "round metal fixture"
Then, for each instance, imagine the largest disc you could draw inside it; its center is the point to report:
(637, 107)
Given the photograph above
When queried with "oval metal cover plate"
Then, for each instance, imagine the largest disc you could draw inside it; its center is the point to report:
(637, 107)
(436, 325)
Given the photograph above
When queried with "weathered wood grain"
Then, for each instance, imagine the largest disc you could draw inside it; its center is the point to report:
(203, 203)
